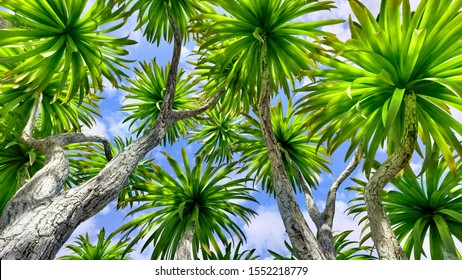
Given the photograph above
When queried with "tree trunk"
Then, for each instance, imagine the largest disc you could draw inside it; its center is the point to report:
(382, 234)
(183, 252)
(302, 238)
(35, 224)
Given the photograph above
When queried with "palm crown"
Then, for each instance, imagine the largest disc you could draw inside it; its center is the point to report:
(250, 23)
(360, 97)
(63, 43)
(202, 197)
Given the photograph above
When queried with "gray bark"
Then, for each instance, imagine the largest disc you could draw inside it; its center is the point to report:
(324, 220)
(41, 217)
(184, 249)
(302, 238)
(382, 234)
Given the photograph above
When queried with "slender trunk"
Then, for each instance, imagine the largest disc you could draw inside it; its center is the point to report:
(302, 238)
(382, 234)
(324, 221)
(183, 252)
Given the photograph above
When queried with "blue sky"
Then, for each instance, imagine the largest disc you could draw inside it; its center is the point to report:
(266, 230)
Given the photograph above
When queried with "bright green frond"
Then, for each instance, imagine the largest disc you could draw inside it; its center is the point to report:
(359, 98)
(60, 42)
(83, 249)
(298, 154)
(146, 94)
(201, 196)
(423, 207)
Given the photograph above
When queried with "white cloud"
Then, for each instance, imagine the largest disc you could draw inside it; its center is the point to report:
(99, 129)
(266, 231)
(116, 125)
(109, 89)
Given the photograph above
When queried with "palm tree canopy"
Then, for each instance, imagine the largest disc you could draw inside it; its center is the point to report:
(359, 98)
(153, 16)
(83, 249)
(425, 206)
(63, 43)
(146, 94)
(219, 134)
(248, 24)
(299, 155)
(202, 196)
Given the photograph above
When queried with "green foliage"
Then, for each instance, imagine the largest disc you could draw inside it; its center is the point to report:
(347, 252)
(146, 94)
(203, 197)
(18, 163)
(343, 247)
(87, 160)
(422, 207)
(218, 135)
(153, 16)
(83, 249)
(359, 98)
(298, 154)
(236, 254)
(61, 43)
(248, 24)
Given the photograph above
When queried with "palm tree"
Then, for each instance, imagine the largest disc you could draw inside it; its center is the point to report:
(190, 211)
(83, 249)
(300, 157)
(255, 36)
(392, 82)
(421, 207)
(146, 94)
(65, 46)
(219, 134)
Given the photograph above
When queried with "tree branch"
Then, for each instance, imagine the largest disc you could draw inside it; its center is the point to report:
(329, 210)
(26, 135)
(80, 137)
(173, 71)
(313, 210)
(179, 115)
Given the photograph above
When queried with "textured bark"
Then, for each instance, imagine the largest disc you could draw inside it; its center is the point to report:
(41, 217)
(324, 221)
(302, 238)
(184, 250)
(382, 234)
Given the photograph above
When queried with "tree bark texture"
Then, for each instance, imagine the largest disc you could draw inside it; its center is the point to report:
(302, 238)
(382, 234)
(184, 249)
(324, 220)
(41, 217)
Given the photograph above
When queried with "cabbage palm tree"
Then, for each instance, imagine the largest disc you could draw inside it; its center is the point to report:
(189, 209)
(83, 249)
(421, 207)
(262, 40)
(61, 46)
(391, 83)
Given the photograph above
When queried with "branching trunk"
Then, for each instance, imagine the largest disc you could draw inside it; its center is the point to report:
(324, 221)
(184, 250)
(302, 238)
(40, 217)
(382, 234)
